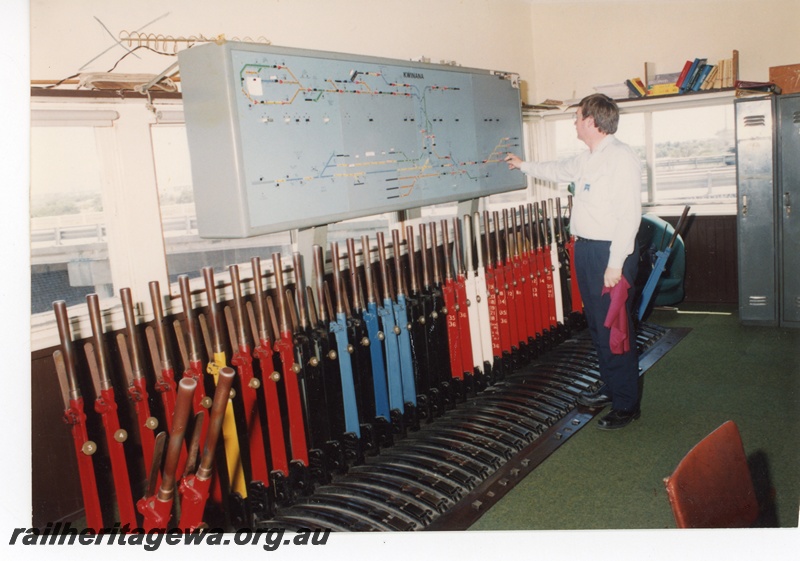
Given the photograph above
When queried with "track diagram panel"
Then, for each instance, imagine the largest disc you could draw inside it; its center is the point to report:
(285, 138)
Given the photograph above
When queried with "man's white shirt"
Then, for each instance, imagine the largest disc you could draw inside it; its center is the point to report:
(607, 204)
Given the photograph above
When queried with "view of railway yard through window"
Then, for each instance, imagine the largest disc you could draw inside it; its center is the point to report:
(687, 158)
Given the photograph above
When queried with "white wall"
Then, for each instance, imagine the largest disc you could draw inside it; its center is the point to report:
(561, 48)
(493, 35)
(578, 45)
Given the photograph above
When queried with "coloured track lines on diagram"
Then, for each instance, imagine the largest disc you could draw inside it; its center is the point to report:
(334, 86)
(278, 85)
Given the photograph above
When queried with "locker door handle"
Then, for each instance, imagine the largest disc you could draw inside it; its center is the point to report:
(744, 205)
(787, 202)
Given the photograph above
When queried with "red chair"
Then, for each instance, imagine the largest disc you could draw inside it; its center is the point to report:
(712, 487)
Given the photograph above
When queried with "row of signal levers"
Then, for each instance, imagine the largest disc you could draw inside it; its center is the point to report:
(320, 377)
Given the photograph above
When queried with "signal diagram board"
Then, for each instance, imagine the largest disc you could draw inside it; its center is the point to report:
(284, 138)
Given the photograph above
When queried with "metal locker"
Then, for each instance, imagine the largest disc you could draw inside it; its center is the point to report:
(788, 195)
(755, 223)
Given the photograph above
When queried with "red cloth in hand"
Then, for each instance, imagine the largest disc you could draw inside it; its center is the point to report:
(617, 317)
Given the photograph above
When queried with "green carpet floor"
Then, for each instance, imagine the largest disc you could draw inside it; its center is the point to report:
(614, 479)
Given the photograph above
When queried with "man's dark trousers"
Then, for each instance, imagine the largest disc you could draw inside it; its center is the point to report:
(619, 373)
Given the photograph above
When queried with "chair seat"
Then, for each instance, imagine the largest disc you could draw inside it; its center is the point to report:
(712, 486)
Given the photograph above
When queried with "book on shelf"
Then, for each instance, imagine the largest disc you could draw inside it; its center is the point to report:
(727, 73)
(757, 87)
(684, 73)
(730, 70)
(649, 74)
(662, 89)
(708, 83)
(787, 77)
(691, 76)
(548, 105)
(636, 87)
(697, 75)
(701, 75)
(668, 78)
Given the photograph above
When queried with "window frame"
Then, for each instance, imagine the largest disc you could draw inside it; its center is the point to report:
(131, 200)
(544, 148)
(129, 212)
(123, 131)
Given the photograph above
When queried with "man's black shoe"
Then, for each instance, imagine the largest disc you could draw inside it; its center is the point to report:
(595, 399)
(618, 419)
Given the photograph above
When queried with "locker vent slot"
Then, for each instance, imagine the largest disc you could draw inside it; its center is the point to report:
(797, 302)
(796, 117)
(755, 120)
(758, 301)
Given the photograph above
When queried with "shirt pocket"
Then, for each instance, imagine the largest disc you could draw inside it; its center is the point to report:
(593, 185)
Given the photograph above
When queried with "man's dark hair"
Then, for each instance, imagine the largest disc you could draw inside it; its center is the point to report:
(603, 110)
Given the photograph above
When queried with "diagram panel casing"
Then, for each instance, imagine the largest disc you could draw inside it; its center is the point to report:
(283, 138)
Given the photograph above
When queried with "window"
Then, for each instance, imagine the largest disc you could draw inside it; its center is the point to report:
(630, 131)
(69, 253)
(694, 155)
(687, 150)
(187, 252)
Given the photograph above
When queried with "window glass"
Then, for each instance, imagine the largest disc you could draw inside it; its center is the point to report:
(439, 212)
(567, 143)
(567, 146)
(357, 227)
(507, 200)
(694, 149)
(630, 131)
(187, 253)
(695, 155)
(69, 253)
